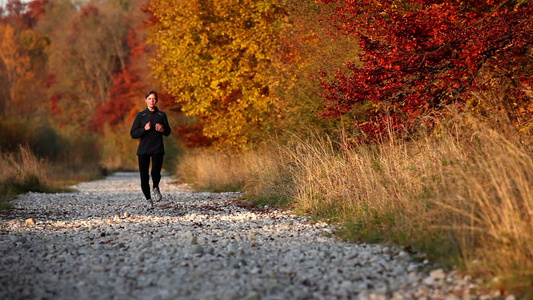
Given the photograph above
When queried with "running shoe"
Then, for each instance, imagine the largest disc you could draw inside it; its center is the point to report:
(157, 194)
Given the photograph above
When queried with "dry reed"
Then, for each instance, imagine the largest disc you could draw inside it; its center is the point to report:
(462, 195)
(21, 171)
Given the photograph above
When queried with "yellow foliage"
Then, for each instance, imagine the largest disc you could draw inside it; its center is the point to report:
(16, 62)
(215, 58)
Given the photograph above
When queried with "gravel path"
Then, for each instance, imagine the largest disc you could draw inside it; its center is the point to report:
(102, 243)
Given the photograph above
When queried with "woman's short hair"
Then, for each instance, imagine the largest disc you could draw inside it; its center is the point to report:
(152, 92)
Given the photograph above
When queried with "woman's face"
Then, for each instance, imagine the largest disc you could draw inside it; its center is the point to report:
(151, 101)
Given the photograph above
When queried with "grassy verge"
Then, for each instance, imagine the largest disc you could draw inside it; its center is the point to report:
(463, 197)
(23, 172)
(261, 173)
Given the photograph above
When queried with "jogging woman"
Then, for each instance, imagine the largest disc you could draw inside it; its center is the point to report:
(150, 125)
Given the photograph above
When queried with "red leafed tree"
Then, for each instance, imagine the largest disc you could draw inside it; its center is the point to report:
(130, 84)
(35, 11)
(129, 87)
(418, 56)
(126, 88)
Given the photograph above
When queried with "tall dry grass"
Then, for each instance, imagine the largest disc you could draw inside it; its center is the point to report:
(461, 195)
(21, 171)
(261, 173)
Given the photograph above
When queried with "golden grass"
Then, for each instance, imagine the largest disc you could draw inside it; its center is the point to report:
(21, 171)
(21, 165)
(462, 196)
(256, 171)
(474, 195)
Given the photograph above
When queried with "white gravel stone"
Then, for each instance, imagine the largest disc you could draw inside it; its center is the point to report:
(102, 242)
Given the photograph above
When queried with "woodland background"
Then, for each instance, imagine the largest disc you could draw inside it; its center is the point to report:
(406, 122)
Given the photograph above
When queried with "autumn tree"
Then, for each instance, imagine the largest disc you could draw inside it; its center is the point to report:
(132, 80)
(85, 64)
(24, 112)
(88, 47)
(306, 46)
(214, 57)
(22, 62)
(419, 56)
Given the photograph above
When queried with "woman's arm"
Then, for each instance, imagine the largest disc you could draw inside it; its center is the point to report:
(137, 130)
(166, 126)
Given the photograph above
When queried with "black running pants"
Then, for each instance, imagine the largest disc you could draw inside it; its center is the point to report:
(144, 165)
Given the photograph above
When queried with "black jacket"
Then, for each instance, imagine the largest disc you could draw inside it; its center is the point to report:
(151, 140)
